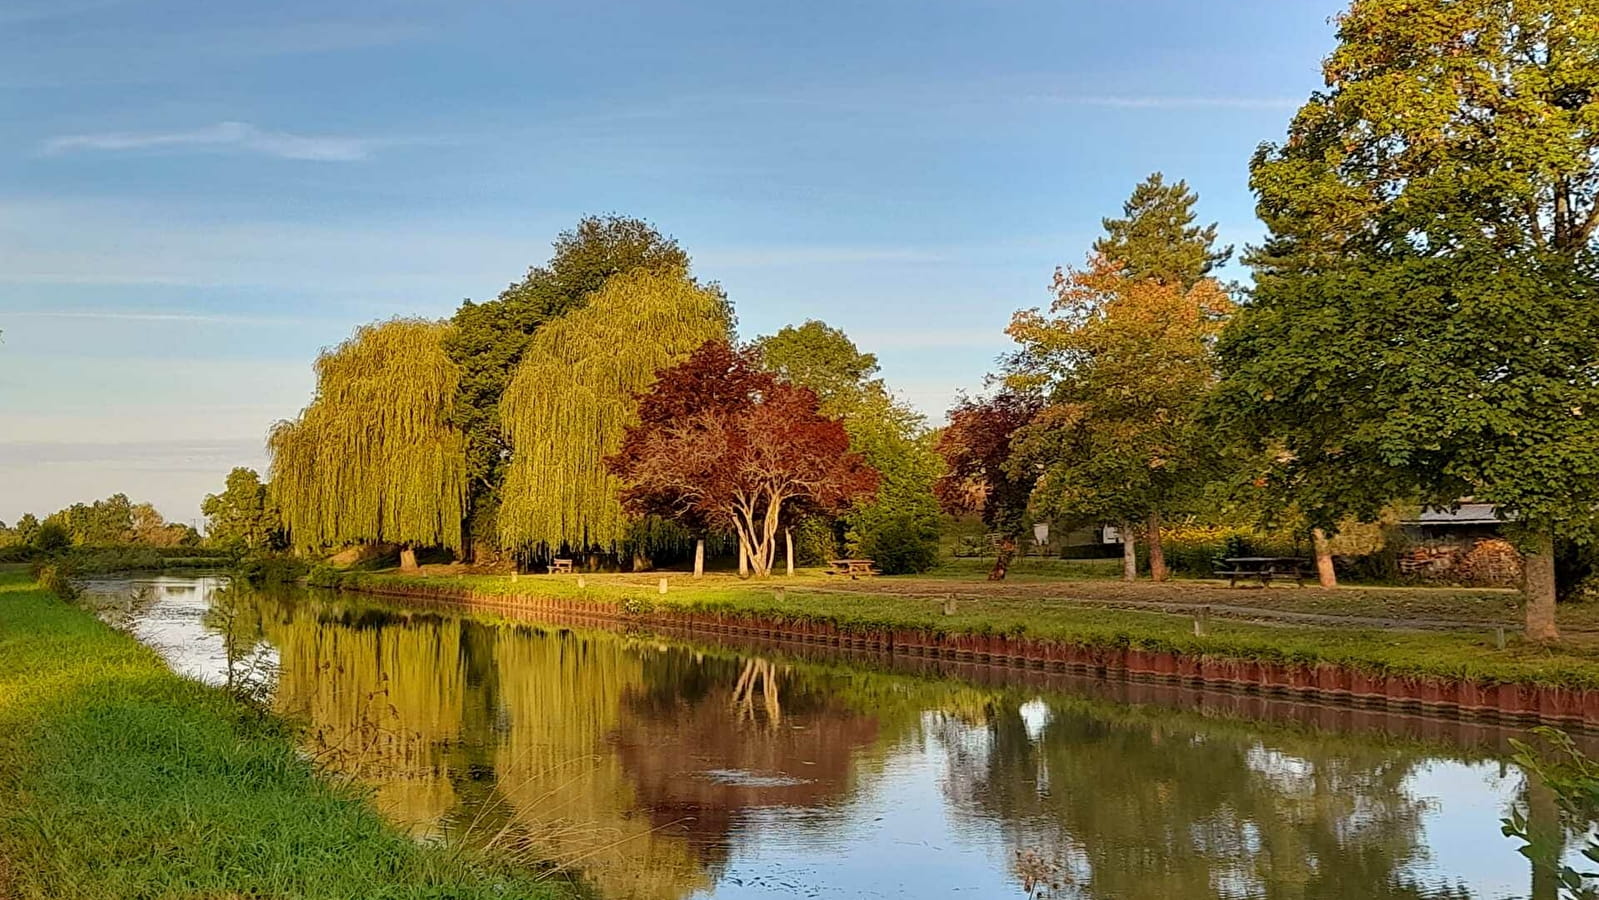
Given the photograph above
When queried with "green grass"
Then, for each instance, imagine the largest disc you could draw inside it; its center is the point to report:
(1444, 654)
(119, 779)
(1027, 568)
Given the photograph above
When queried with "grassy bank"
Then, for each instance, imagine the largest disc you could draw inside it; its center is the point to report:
(119, 779)
(881, 604)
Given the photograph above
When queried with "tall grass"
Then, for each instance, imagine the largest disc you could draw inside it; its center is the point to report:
(119, 779)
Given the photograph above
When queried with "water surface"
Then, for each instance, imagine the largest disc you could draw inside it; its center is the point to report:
(650, 768)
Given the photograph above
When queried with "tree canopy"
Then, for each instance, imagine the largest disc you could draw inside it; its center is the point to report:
(1423, 318)
(720, 440)
(574, 394)
(1125, 359)
(242, 517)
(490, 338)
(977, 447)
(374, 458)
(898, 526)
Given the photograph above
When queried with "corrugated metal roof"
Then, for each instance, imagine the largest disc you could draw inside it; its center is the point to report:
(1467, 514)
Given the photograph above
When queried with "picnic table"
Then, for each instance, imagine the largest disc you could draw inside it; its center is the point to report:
(854, 568)
(559, 567)
(1263, 569)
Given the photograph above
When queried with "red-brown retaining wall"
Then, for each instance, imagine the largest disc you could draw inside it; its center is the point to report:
(1509, 702)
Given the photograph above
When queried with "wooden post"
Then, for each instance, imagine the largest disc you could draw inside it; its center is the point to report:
(949, 605)
(779, 595)
(580, 582)
(663, 585)
(514, 573)
(788, 548)
(1499, 637)
(699, 558)
(1202, 622)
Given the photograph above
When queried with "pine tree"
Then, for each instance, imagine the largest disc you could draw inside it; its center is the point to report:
(1157, 238)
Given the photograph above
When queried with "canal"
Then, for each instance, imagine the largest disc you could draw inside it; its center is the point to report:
(646, 766)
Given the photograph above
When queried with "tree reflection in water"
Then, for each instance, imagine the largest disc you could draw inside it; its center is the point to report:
(1137, 808)
(643, 766)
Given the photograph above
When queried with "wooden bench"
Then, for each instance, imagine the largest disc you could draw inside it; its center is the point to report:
(559, 567)
(1264, 569)
(854, 568)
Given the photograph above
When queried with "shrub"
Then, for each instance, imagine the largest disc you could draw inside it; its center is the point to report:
(52, 537)
(323, 575)
(259, 570)
(56, 577)
(901, 544)
(103, 560)
(637, 606)
(1199, 549)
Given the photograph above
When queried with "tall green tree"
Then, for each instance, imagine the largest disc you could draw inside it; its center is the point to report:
(102, 523)
(490, 338)
(899, 526)
(1125, 357)
(576, 391)
(374, 457)
(242, 518)
(1424, 320)
(26, 527)
(1156, 238)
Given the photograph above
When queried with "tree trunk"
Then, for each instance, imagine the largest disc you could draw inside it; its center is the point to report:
(1546, 840)
(1157, 551)
(1539, 566)
(699, 558)
(1007, 552)
(743, 558)
(788, 549)
(641, 560)
(1129, 553)
(407, 559)
(1325, 573)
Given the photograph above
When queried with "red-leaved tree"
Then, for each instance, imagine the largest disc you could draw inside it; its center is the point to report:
(981, 474)
(719, 442)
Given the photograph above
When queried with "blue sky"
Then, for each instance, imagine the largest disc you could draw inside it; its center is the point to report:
(196, 197)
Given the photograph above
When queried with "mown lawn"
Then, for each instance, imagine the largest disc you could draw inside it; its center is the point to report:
(119, 779)
(1470, 653)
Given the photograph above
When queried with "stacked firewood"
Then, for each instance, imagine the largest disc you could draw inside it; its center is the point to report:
(1428, 559)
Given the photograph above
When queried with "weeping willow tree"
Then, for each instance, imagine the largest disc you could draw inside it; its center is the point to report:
(573, 395)
(373, 458)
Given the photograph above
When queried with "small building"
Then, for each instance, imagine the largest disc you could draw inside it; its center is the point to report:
(1471, 520)
(1462, 545)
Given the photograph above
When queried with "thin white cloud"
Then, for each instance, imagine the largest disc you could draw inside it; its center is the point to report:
(235, 136)
(1168, 102)
(207, 318)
